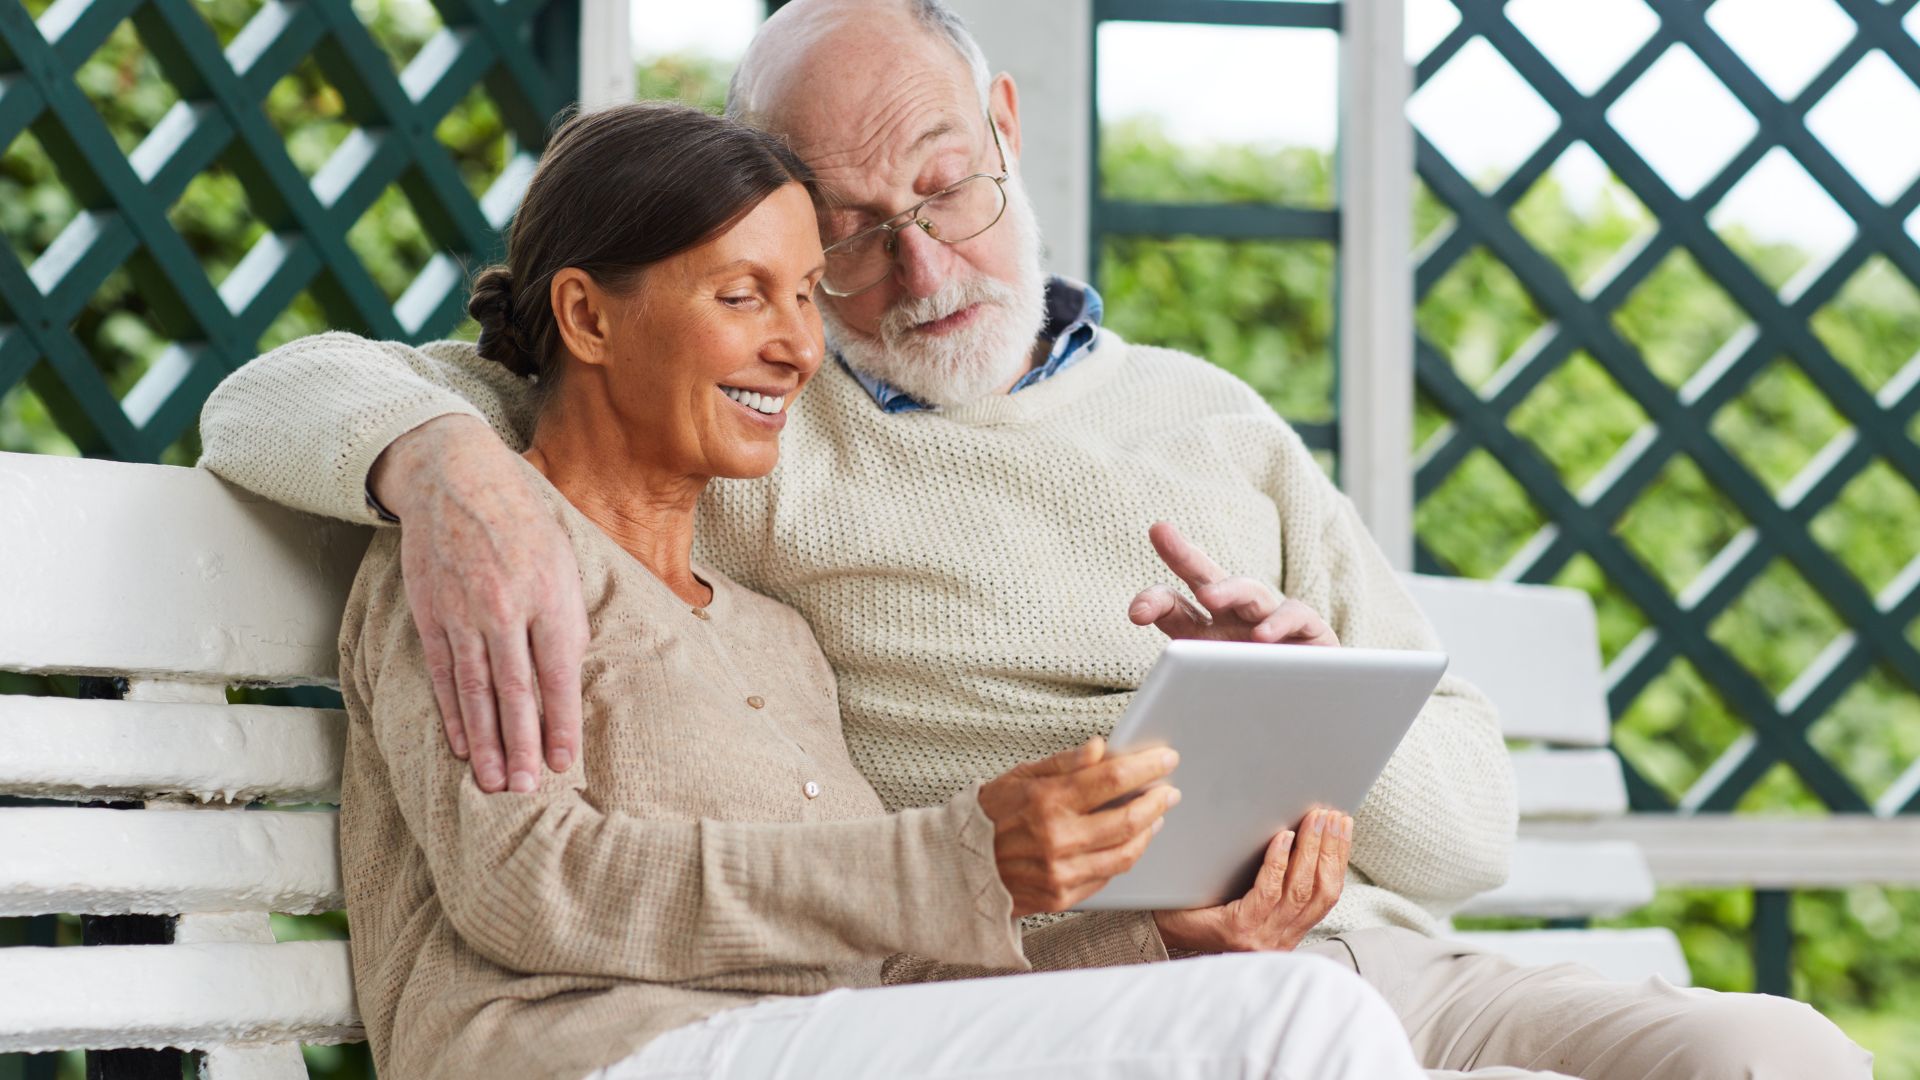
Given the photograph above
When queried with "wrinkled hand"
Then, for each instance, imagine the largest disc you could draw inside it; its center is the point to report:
(1232, 608)
(1053, 841)
(495, 592)
(1298, 883)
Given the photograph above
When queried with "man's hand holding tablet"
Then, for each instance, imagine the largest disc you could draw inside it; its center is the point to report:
(1299, 882)
(1300, 878)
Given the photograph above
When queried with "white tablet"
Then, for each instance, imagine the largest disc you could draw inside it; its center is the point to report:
(1265, 733)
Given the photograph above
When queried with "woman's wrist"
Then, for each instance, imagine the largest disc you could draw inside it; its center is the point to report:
(1178, 933)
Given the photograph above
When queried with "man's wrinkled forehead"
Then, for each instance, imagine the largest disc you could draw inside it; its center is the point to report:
(896, 152)
(866, 102)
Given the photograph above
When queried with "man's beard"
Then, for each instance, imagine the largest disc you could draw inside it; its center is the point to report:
(973, 361)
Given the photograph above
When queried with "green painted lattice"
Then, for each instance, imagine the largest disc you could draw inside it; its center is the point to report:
(1582, 320)
(521, 55)
(1546, 513)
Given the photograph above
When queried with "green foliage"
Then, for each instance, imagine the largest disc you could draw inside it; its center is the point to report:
(1140, 161)
(695, 80)
(1264, 312)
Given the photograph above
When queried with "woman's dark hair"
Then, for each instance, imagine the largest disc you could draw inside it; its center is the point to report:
(617, 190)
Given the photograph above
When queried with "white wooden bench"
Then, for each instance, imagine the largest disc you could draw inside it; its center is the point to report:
(1535, 651)
(173, 580)
(184, 586)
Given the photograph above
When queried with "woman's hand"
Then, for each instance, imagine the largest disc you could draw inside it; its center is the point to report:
(1233, 608)
(1299, 882)
(1055, 839)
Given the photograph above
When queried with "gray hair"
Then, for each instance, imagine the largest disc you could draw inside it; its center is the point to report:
(935, 16)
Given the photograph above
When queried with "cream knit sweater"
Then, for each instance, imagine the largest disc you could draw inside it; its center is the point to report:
(968, 571)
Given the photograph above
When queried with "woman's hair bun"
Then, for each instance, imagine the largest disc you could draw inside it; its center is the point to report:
(491, 305)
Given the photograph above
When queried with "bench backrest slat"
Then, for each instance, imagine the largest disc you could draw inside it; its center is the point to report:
(1554, 879)
(1558, 694)
(122, 569)
(1621, 955)
(90, 861)
(1569, 784)
(61, 748)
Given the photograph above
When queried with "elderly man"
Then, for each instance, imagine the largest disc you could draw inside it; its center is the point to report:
(961, 513)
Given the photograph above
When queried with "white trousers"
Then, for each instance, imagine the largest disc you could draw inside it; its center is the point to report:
(1272, 1015)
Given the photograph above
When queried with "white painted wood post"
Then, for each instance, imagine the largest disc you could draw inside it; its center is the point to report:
(1376, 274)
(1048, 49)
(606, 53)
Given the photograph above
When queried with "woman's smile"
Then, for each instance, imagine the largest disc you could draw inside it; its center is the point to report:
(767, 408)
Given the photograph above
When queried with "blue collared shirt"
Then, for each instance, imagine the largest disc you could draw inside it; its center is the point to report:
(1072, 331)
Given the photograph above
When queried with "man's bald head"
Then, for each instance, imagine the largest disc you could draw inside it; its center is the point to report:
(801, 45)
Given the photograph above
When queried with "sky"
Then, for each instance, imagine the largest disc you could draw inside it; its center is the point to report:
(1214, 84)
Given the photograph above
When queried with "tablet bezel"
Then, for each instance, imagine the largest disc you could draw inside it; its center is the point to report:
(1314, 724)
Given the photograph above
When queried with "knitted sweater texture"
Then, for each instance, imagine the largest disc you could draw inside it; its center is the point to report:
(967, 571)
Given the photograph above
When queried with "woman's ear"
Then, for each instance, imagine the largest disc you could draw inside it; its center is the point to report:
(580, 309)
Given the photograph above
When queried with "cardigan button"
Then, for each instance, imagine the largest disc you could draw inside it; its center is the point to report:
(757, 702)
(812, 789)
(701, 614)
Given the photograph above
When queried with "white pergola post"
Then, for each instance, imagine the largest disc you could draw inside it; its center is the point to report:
(1048, 49)
(606, 53)
(1376, 274)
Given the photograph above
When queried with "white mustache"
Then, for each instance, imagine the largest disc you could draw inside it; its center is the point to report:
(952, 297)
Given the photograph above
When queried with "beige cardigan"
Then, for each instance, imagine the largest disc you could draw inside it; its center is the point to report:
(715, 844)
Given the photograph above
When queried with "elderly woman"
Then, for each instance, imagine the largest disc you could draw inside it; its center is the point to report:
(715, 889)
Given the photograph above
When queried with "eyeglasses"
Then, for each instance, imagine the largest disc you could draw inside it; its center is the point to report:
(956, 213)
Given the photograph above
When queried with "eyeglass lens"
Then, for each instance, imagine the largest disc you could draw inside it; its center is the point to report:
(960, 213)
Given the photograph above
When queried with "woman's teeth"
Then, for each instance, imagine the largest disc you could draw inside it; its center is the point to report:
(756, 402)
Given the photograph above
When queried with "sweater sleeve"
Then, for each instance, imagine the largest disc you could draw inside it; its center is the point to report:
(1089, 940)
(1438, 825)
(548, 882)
(303, 424)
